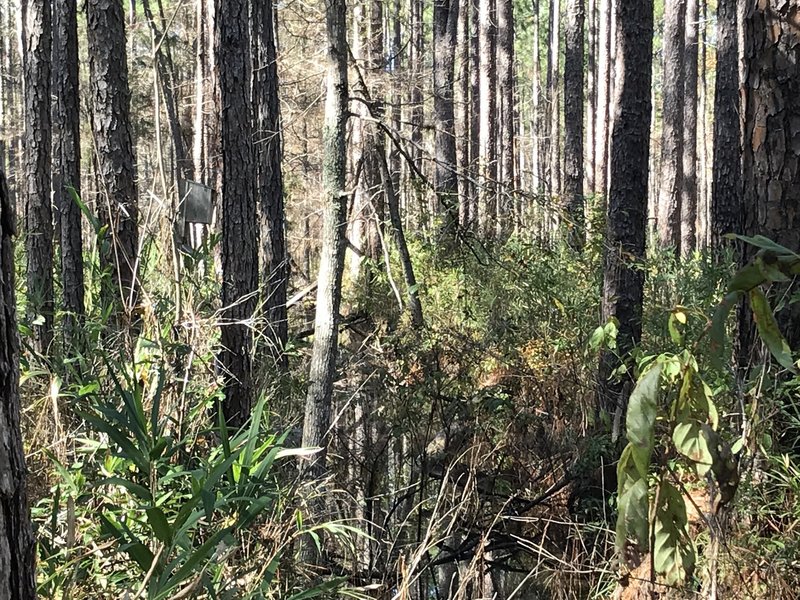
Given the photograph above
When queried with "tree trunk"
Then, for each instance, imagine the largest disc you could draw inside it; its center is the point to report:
(488, 116)
(689, 169)
(445, 19)
(475, 111)
(670, 184)
(770, 166)
(591, 92)
(553, 95)
(239, 225)
(726, 192)
(703, 183)
(623, 280)
(166, 76)
(274, 259)
(537, 128)
(603, 98)
(505, 106)
(463, 139)
(322, 370)
(17, 545)
(36, 44)
(67, 162)
(111, 101)
(573, 123)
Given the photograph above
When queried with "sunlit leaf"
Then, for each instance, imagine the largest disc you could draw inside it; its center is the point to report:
(768, 329)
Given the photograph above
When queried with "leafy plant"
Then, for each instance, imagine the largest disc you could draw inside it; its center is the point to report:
(672, 414)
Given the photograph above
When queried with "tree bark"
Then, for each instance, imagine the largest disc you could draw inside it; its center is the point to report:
(111, 101)
(553, 96)
(505, 106)
(770, 163)
(239, 216)
(17, 545)
(463, 130)
(573, 123)
(445, 19)
(726, 192)
(488, 116)
(475, 111)
(591, 92)
(274, 259)
(670, 184)
(623, 280)
(603, 98)
(689, 169)
(322, 370)
(36, 44)
(67, 162)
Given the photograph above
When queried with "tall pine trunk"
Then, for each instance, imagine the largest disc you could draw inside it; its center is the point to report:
(239, 252)
(770, 166)
(36, 40)
(67, 161)
(726, 193)
(670, 183)
(322, 370)
(273, 259)
(554, 98)
(603, 84)
(487, 151)
(573, 122)
(623, 280)
(505, 108)
(17, 544)
(445, 19)
(111, 104)
(689, 169)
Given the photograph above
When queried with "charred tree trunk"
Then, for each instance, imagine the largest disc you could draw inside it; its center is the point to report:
(487, 159)
(770, 166)
(669, 191)
(111, 103)
(505, 108)
(603, 98)
(553, 91)
(445, 19)
(17, 544)
(239, 252)
(67, 162)
(726, 192)
(474, 111)
(36, 48)
(463, 130)
(274, 259)
(623, 280)
(573, 123)
(689, 171)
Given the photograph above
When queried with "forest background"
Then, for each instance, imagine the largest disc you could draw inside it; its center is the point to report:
(408, 300)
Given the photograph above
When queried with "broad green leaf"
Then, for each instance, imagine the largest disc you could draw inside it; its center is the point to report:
(760, 241)
(633, 521)
(674, 333)
(718, 332)
(159, 524)
(641, 417)
(768, 329)
(627, 471)
(598, 335)
(134, 488)
(692, 443)
(746, 278)
(673, 553)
